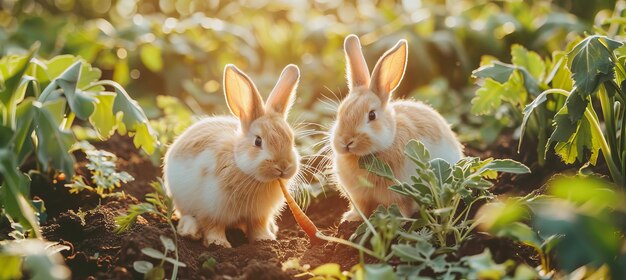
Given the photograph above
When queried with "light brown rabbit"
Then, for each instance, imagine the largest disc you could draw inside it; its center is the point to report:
(222, 172)
(369, 122)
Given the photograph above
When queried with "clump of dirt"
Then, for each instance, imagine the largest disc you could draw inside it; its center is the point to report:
(85, 222)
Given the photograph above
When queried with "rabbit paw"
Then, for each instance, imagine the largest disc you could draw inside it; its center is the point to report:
(216, 239)
(187, 226)
(265, 234)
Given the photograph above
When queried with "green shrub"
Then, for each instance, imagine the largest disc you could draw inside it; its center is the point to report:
(39, 102)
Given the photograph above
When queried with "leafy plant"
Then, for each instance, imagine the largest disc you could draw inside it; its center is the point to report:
(152, 272)
(39, 259)
(597, 67)
(160, 204)
(445, 194)
(517, 84)
(103, 174)
(577, 223)
(39, 102)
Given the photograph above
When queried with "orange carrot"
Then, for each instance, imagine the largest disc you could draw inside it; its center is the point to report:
(303, 221)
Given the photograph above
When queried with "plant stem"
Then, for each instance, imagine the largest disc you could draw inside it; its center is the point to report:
(320, 235)
(175, 268)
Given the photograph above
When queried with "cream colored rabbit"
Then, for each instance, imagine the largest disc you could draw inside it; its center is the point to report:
(369, 122)
(222, 171)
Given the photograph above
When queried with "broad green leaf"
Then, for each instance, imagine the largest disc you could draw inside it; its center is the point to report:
(530, 60)
(442, 170)
(505, 165)
(14, 188)
(561, 76)
(417, 152)
(24, 115)
(12, 69)
(81, 103)
(53, 143)
(102, 118)
(591, 63)
(53, 68)
(133, 119)
(150, 55)
(576, 105)
(375, 165)
(574, 140)
(144, 138)
(490, 96)
(497, 71)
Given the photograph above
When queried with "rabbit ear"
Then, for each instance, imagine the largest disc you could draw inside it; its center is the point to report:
(389, 71)
(281, 97)
(242, 96)
(356, 68)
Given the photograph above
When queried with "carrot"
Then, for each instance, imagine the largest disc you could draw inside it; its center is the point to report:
(303, 221)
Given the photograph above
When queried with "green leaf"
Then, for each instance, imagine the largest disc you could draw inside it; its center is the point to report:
(12, 69)
(504, 165)
(133, 119)
(379, 271)
(168, 243)
(591, 63)
(497, 71)
(102, 118)
(53, 68)
(53, 143)
(417, 152)
(24, 115)
(531, 61)
(490, 96)
(15, 186)
(142, 266)
(375, 165)
(153, 253)
(150, 55)
(574, 139)
(442, 170)
(81, 103)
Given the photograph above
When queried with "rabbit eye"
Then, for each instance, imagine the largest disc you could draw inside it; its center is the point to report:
(258, 141)
(372, 115)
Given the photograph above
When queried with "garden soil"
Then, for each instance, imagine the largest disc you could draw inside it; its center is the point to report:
(85, 222)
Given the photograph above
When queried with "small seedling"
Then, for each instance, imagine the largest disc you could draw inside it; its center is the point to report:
(152, 272)
(159, 204)
(103, 174)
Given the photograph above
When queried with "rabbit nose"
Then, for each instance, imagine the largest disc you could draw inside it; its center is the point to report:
(280, 171)
(349, 144)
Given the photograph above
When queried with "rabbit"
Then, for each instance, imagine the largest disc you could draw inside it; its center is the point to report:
(369, 122)
(222, 171)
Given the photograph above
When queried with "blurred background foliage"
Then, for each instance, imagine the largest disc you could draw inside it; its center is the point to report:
(179, 48)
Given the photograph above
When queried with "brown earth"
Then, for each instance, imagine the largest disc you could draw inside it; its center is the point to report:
(85, 222)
